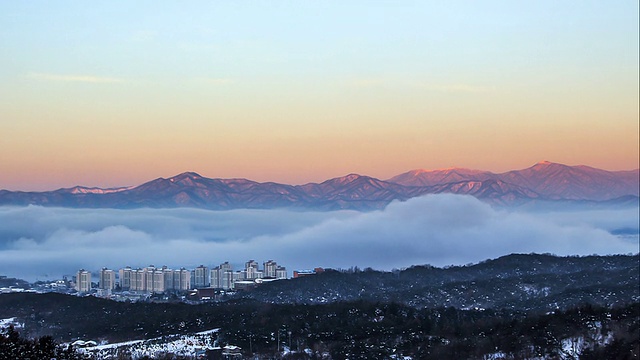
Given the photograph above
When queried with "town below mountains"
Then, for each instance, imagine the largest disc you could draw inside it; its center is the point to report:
(520, 306)
(543, 184)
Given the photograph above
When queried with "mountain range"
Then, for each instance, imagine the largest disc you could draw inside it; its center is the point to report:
(544, 182)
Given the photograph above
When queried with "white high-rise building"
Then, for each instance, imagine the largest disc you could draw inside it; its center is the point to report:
(148, 278)
(152, 280)
(155, 280)
(270, 269)
(107, 279)
(138, 280)
(158, 281)
(226, 282)
(251, 270)
(215, 277)
(181, 279)
(83, 281)
(201, 277)
(220, 278)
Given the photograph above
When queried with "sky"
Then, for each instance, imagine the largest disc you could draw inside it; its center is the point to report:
(40, 243)
(118, 93)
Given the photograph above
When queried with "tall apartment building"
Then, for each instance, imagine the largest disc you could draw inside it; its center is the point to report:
(138, 280)
(222, 276)
(168, 278)
(125, 278)
(148, 278)
(151, 279)
(155, 280)
(83, 281)
(107, 279)
(214, 277)
(181, 279)
(201, 277)
(227, 280)
(274, 271)
(270, 269)
(158, 281)
(251, 271)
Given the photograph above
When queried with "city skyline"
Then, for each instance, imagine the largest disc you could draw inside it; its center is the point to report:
(296, 92)
(154, 279)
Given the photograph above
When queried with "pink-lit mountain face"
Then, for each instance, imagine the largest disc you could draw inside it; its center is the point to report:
(549, 180)
(543, 182)
(421, 177)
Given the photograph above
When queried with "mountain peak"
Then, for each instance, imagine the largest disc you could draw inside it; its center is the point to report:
(348, 178)
(548, 165)
(352, 177)
(186, 175)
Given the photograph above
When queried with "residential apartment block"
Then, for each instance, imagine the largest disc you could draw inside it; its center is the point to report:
(83, 281)
(155, 280)
(107, 279)
(152, 279)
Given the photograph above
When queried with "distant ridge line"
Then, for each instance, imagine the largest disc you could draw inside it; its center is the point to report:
(542, 182)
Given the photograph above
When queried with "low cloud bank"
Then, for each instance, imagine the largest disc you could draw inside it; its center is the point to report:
(46, 243)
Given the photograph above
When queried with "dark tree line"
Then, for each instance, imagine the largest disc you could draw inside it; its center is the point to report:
(14, 347)
(365, 330)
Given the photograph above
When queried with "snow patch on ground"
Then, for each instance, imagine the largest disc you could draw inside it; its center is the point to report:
(178, 345)
(5, 323)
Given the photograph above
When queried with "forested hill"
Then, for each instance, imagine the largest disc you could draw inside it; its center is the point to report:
(518, 281)
(340, 330)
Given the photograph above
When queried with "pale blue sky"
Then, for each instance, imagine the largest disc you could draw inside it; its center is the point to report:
(317, 39)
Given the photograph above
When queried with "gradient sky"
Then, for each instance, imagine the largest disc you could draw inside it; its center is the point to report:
(117, 93)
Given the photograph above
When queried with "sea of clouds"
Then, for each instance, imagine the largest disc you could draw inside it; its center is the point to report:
(46, 243)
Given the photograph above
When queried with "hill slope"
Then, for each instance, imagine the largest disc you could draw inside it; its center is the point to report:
(517, 281)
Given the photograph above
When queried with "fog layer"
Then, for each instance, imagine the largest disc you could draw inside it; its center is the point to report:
(46, 243)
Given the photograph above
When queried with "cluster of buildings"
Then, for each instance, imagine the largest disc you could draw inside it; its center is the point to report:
(152, 279)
